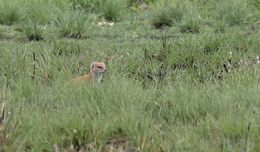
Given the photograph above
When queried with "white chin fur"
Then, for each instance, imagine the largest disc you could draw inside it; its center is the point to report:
(99, 79)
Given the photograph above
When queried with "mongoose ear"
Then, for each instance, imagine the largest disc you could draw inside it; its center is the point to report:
(92, 65)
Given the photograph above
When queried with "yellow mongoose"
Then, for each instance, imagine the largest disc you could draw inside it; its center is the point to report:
(97, 69)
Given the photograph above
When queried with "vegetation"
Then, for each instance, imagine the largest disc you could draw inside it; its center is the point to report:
(10, 12)
(182, 75)
(72, 23)
(32, 30)
(166, 13)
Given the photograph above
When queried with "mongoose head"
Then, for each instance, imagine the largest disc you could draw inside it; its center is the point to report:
(97, 70)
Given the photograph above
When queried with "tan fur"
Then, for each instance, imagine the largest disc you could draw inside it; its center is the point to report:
(97, 69)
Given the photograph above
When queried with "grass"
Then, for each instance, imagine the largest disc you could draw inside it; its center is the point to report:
(72, 23)
(233, 12)
(190, 25)
(10, 12)
(138, 2)
(166, 89)
(111, 10)
(167, 13)
(32, 30)
(39, 11)
(86, 4)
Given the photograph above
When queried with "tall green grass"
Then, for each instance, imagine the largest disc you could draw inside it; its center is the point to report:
(72, 23)
(10, 12)
(166, 89)
(32, 30)
(233, 12)
(167, 13)
(111, 10)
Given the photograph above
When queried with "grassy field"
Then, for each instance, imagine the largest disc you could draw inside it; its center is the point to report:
(172, 83)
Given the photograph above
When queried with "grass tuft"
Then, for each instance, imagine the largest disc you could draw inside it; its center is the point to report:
(233, 12)
(111, 10)
(191, 21)
(72, 23)
(10, 12)
(167, 13)
(33, 30)
(190, 25)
